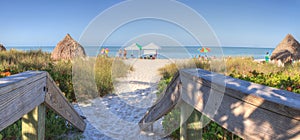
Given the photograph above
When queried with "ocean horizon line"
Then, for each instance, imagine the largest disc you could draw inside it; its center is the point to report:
(115, 46)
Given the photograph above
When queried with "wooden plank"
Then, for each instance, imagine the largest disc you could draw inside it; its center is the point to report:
(16, 102)
(16, 81)
(33, 124)
(56, 101)
(163, 105)
(239, 110)
(280, 101)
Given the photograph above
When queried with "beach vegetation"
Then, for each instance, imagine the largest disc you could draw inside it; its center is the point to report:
(285, 78)
(107, 70)
(13, 62)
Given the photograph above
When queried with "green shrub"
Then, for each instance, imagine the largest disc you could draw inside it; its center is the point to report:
(56, 126)
(171, 123)
(61, 72)
(286, 78)
(12, 132)
(277, 80)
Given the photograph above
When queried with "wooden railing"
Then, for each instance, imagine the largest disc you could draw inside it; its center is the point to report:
(249, 110)
(25, 96)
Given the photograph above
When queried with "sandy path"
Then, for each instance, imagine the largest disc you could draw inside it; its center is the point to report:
(116, 116)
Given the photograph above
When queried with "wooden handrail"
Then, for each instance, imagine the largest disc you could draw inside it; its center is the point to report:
(21, 93)
(249, 110)
(163, 105)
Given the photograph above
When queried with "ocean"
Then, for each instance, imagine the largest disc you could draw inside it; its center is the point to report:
(170, 51)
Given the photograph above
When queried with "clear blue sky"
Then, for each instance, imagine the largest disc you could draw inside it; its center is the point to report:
(257, 23)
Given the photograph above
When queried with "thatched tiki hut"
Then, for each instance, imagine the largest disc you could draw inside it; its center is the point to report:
(67, 49)
(2, 48)
(287, 50)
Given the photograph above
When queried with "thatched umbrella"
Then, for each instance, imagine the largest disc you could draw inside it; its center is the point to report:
(2, 48)
(287, 50)
(68, 49)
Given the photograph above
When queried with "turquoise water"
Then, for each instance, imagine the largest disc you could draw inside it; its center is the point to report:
(171, 51)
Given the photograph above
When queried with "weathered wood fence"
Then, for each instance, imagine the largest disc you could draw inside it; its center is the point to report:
(249, 110)
(25, 96)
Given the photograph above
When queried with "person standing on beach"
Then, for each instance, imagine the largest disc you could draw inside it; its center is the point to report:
(267, 57)
(125, 53)
(120, 53)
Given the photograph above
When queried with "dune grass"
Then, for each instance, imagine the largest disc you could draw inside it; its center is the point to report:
(13, 61)
(107, 70)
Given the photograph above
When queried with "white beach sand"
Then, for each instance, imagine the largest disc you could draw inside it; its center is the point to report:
(116, 116)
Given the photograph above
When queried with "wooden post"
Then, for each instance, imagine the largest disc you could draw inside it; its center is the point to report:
(190, 128)
(33, 124)
(194, 126)
(183, 119)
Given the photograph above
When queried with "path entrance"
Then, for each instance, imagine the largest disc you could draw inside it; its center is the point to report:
(116, 116)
